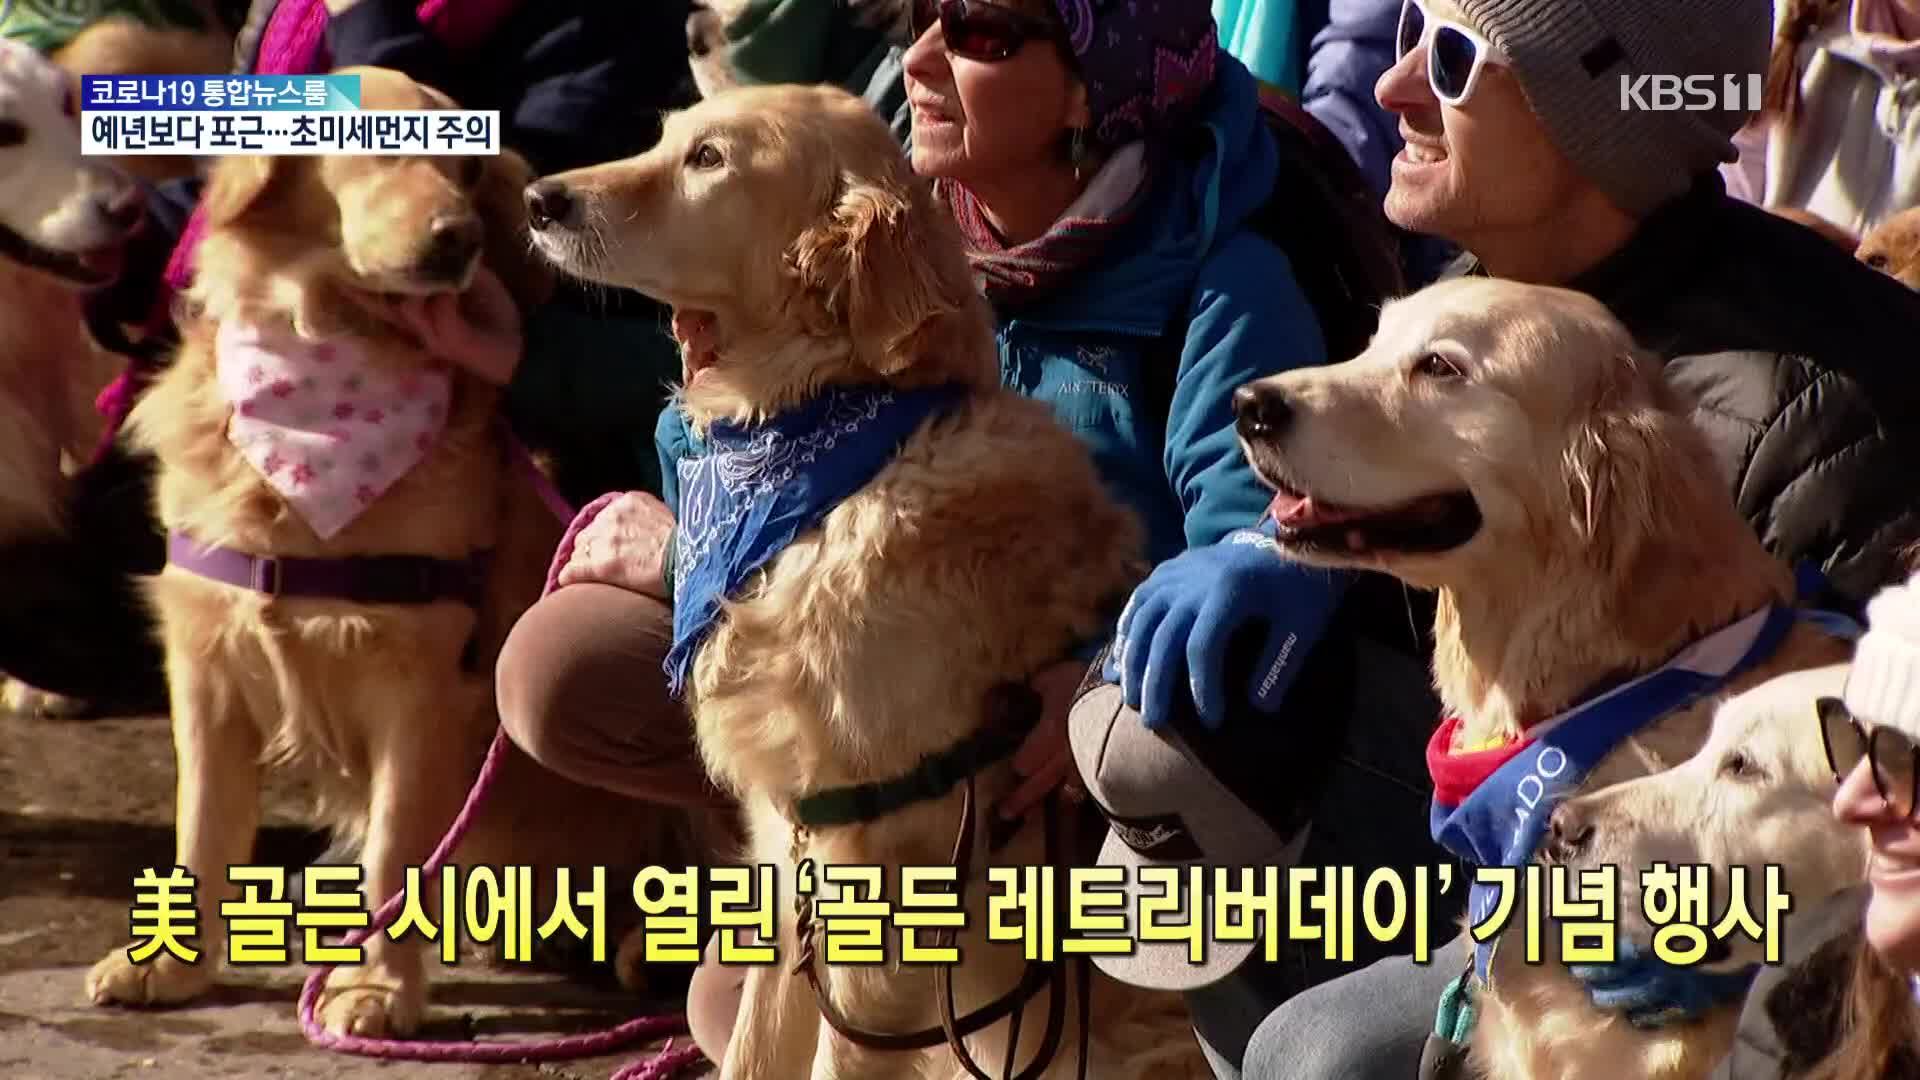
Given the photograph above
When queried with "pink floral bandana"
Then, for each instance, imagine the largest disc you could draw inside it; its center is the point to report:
(327, 427)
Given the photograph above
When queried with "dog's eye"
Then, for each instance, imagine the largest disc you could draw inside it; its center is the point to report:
(1738, 766)
(12, 133)
(705, 156)
(1877, 261)
(1434, 366)
(470, 171)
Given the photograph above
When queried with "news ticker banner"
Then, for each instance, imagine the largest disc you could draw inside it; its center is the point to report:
(196, 115)
(859, 919)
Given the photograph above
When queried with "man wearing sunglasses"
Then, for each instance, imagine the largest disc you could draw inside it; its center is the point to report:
(1522, 147)
(1527, 143)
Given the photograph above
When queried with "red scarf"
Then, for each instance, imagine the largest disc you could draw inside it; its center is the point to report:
(1456, 775)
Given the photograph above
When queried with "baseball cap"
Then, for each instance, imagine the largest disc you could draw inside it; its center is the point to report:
(1242, 796)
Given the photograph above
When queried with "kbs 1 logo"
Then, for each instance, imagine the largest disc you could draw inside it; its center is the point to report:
(1692, 93)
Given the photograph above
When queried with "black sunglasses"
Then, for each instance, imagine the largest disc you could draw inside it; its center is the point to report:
(979, 30)
(1894, 758)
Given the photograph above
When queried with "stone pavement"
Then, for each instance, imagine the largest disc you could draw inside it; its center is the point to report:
(83, 806)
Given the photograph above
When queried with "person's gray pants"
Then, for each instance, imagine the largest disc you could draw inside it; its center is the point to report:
(1370, 1025)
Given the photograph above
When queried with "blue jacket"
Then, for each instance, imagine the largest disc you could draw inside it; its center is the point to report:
(1187, 260)
(1352, 46)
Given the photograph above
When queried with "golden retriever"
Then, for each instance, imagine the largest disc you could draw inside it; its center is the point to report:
(1511, 447)
(63, 221)
(1757, 794)
(976, 556)
(1893, 248)
(120, 45)
(372, 701)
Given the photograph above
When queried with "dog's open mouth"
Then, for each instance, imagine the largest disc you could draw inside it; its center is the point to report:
(1426, 525)
(89, 268)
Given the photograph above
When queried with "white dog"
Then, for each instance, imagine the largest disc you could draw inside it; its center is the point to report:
(63, 220)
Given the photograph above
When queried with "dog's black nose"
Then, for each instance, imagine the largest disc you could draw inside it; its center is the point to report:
(453, 240)
(1260, 411)
(548, 201)
(1568, 831)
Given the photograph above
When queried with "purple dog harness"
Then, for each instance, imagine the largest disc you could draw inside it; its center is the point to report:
(360, 579)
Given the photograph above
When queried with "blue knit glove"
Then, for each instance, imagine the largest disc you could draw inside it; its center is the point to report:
(1653, 993)
(1182, 619)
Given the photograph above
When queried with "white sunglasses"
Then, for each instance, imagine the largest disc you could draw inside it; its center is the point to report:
(1456, 52)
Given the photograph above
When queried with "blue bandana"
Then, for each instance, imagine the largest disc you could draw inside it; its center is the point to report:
(756, 488)
(1501, 822)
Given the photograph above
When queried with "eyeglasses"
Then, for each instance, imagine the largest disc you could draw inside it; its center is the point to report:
(1894, 758)
(978, 30)
(1455, 51)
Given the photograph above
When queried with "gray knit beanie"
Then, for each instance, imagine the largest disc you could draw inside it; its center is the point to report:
(1570, 56)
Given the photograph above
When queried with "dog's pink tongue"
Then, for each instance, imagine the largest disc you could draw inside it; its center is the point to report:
(1288, 508)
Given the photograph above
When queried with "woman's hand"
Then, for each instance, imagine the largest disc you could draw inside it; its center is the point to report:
(624, 545)
(479, 329)
(1045, 759)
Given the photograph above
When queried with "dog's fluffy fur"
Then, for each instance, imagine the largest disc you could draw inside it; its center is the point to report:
(977, 556)
(371, 702)
(62, 221)
(1893, 248)
(1511, 447)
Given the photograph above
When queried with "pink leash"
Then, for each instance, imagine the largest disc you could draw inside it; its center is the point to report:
(662, 1065)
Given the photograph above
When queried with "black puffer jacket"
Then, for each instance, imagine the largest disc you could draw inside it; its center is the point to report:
(1804, 367)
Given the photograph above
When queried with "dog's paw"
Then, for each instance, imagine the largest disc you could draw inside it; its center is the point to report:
(162, 980)
(363, 1001)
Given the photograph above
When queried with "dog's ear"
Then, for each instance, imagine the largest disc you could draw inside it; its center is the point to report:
(877, 264)
(498, 199)
(1610, 463)
(235, 185)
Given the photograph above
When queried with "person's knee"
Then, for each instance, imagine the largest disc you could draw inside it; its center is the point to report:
(526, 685)
(1369, 1025)
(578, 680)
(1312, 1036)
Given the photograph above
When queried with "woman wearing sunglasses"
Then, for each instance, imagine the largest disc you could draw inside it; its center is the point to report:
(1845, 1005)
(1103, 158)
